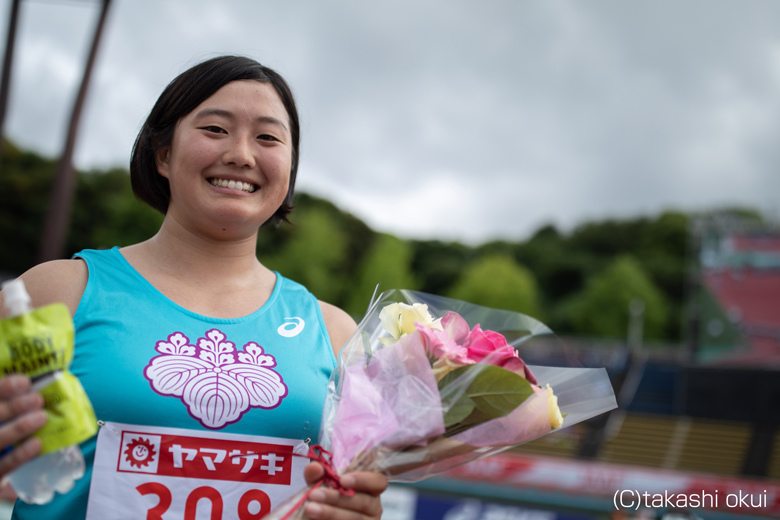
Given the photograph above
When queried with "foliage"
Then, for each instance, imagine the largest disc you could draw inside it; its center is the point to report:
(498, 281)
(313, 254)
(322, 248)
(579, 282)
(560, 269)
(387, 262)
(438, 264)
(602, 308)
(25, 178)
(104, 210)
(106, 213)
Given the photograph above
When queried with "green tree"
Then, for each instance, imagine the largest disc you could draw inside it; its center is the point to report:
(26, 180)
(602, 308)
(498, 281)
(439, 264)
(313, 254)
(107, 214)
(663, 254)
(387, 263)
(560, 270)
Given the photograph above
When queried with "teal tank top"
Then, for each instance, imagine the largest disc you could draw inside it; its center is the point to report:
(145, 360)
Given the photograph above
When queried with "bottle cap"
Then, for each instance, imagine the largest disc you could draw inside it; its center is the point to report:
(16, 298)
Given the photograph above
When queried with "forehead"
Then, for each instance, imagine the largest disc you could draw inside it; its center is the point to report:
(246, 97)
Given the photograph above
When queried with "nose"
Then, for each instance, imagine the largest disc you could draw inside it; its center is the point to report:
(240, 152)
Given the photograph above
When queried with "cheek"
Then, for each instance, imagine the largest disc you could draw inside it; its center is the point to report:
(280, 189)
(190, 153)
(202, 152)
(277, 170)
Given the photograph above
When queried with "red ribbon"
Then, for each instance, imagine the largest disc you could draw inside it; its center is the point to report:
(330, 479)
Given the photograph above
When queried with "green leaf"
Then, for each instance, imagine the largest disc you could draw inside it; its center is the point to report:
(496, 392)
(474, 394)
(458, 411)
(476, 417)
(454, 398)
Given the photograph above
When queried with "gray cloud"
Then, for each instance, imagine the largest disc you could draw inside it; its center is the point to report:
(454, 119)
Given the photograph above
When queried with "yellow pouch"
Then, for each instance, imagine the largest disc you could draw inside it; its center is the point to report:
(40, 344)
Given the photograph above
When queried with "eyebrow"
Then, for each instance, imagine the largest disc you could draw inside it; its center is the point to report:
(228, 114)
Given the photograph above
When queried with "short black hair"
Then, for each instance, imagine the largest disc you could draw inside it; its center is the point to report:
(180, 97)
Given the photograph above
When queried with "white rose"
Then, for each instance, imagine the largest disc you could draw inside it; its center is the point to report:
(398, 319)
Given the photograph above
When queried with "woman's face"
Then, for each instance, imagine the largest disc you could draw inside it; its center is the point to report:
(229, 162)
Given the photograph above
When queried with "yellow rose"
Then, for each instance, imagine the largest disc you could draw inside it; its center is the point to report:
(556, 419)
(398, 319)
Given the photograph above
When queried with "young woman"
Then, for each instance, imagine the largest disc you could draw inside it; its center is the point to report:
(218, 155)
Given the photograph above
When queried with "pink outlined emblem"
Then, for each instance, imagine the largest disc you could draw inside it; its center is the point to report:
(216, 389)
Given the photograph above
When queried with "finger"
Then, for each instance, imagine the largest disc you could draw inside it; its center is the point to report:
(21, 427)
(23, 453)
(13, 385)
(323, 511)
(19, 405)
(369, 482)
(7, 493)
(313, 472)
(16, 398)
(332, 504)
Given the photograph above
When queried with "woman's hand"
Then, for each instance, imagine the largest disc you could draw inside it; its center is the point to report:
(21, 414)
(330, 504)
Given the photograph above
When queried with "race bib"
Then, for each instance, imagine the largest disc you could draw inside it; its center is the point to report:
(170, 473)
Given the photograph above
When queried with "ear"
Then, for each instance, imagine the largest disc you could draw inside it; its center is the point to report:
(162, 159)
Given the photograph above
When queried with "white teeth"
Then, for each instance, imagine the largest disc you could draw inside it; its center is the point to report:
(233, 185)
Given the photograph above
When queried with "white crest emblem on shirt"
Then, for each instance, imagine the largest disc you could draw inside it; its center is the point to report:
(216, 388)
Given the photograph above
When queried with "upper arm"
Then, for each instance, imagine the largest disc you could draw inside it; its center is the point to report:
(58, 281)
(340, 325)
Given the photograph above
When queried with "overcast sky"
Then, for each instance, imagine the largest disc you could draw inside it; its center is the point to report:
(452, 119)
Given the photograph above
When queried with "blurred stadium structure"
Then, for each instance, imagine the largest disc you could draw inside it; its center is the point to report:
(695, 422)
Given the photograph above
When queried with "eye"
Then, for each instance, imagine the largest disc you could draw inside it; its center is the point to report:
(213, 129)
(267, 137)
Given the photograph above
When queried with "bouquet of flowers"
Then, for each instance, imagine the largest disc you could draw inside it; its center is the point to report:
(428, 383)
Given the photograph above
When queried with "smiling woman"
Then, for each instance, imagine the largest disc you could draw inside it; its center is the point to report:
(159, 323)
(235, 138)
(182, 97)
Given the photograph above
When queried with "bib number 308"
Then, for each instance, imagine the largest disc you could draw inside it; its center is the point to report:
(253, 504)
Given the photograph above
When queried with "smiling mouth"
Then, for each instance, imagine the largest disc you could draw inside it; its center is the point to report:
(233, 185)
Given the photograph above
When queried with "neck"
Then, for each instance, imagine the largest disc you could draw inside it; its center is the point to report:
(177, 248)
(214, 277)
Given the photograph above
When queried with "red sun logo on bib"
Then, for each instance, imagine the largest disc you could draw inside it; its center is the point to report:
(139, 452)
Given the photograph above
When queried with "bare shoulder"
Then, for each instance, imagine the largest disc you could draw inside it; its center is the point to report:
(340, 325)
(58, 281)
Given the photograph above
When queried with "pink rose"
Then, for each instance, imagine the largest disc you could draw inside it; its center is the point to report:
(439, 344)
(483, 344)
(487, 346)
(456, 327)
(456, 346)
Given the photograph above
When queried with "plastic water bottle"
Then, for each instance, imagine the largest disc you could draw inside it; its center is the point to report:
(36, 481)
